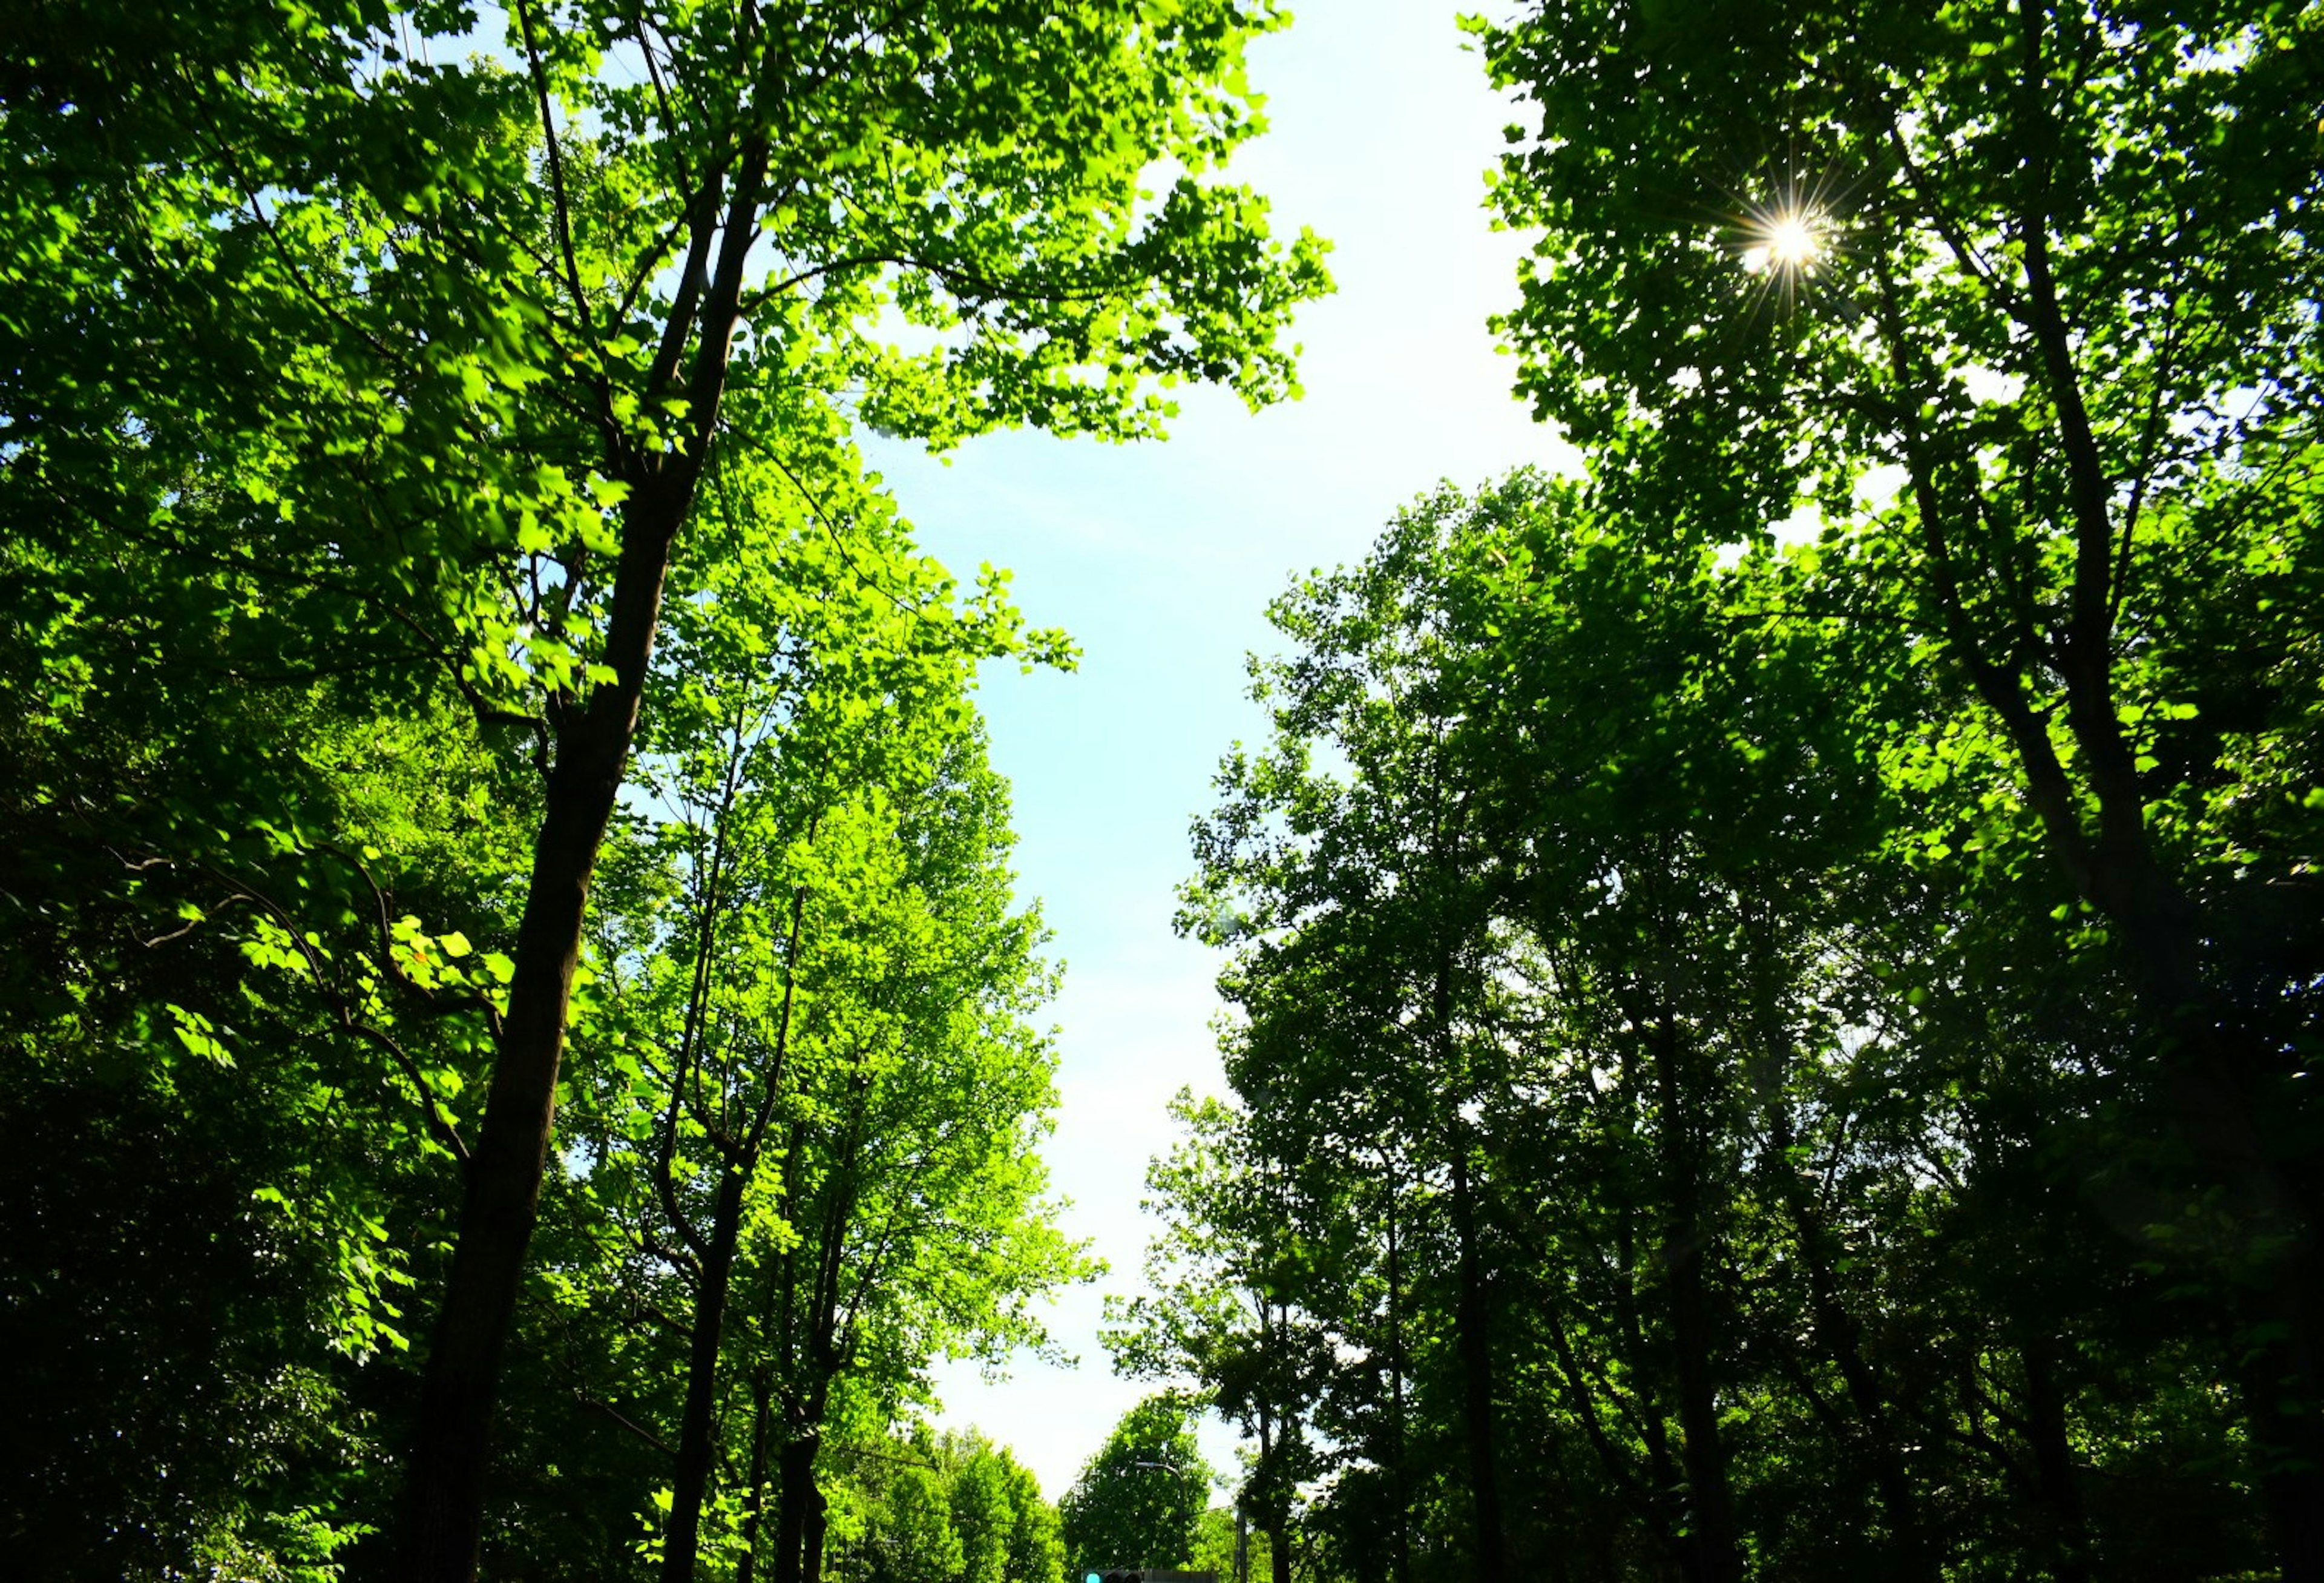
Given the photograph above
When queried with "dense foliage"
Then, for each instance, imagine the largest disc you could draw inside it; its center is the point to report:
(521, 1038)
(1141, 1496)
(1775, 985)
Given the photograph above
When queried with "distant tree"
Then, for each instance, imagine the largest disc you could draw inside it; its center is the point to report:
(1008, 1532)
(1138, 1501)
(1217, 1543)
(920, 1507)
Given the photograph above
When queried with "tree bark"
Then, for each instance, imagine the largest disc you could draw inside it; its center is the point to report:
(697, 1427)
(818, 1513)
(793, 1503)
(697, 1434)
(1473, 1343)
(1399, 1473)
(1715, 1555)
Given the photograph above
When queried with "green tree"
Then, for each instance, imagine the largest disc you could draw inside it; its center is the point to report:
(1225, 1278)
(1221, 1544)
(432, 354)
(2045, 262)
(887, 1498)
(1139, 1498)
(1720, 1150)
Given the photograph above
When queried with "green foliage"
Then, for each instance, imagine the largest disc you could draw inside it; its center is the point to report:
(1139, 1499)
(1659, 1149)
(2062, 307)
(953, 1508)
(414, 424)
(1216, 1546)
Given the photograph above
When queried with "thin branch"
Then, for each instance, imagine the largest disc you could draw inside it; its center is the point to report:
(608, 1411)
(192, 924)
(438, 1123)
(559, 195)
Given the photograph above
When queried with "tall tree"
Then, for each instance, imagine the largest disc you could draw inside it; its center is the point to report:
(2047, 263)
(1754, 1057)
(440, 347)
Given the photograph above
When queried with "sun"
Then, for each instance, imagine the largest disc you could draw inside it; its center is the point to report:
(1793, 242)
(1790, 240)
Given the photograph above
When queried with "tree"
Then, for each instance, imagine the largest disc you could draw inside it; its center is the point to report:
(442, 355)
(954, 1507)
(1225, 1279)
(2046, 263)
(1139, 1498)
(788, 710)
(1706, 1131)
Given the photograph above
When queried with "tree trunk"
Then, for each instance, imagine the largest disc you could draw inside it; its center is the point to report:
(1837, 1331)
(697, 1428)
(1715, 1556)
(444, 1495)
(1474, 1346)
(697, 1434)
(755, 1505)
(818, 1513)
(444, 1487)
(1399, 1473)
(2053, 1461)
(793, 1505)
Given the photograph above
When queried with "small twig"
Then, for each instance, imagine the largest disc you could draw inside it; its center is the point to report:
(192, 924)
(439, 1123)
(608, 1410)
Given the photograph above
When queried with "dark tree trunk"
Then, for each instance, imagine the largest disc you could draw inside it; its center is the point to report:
(818, 1513)
(444, 1495)
(1841, 1340)
(1473, 1342)
(1399, 1472)
(697, 1428)
(697, 1434)
(793, 1505)
(755, 1501)
(2053, 1461)
(1715, 1556)
(1836, 1329)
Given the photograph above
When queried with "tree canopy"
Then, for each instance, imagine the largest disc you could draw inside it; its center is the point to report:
(1771, 985)
(473, 677)
(1773, 982)
(1140, 1496)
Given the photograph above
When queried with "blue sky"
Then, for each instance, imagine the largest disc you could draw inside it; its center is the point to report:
(1160, 560)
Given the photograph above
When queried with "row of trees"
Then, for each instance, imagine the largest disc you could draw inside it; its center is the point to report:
(1776, 986)
(950, 1508)
(514, 1037)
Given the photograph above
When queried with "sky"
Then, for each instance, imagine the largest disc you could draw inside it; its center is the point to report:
(1160, 559)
